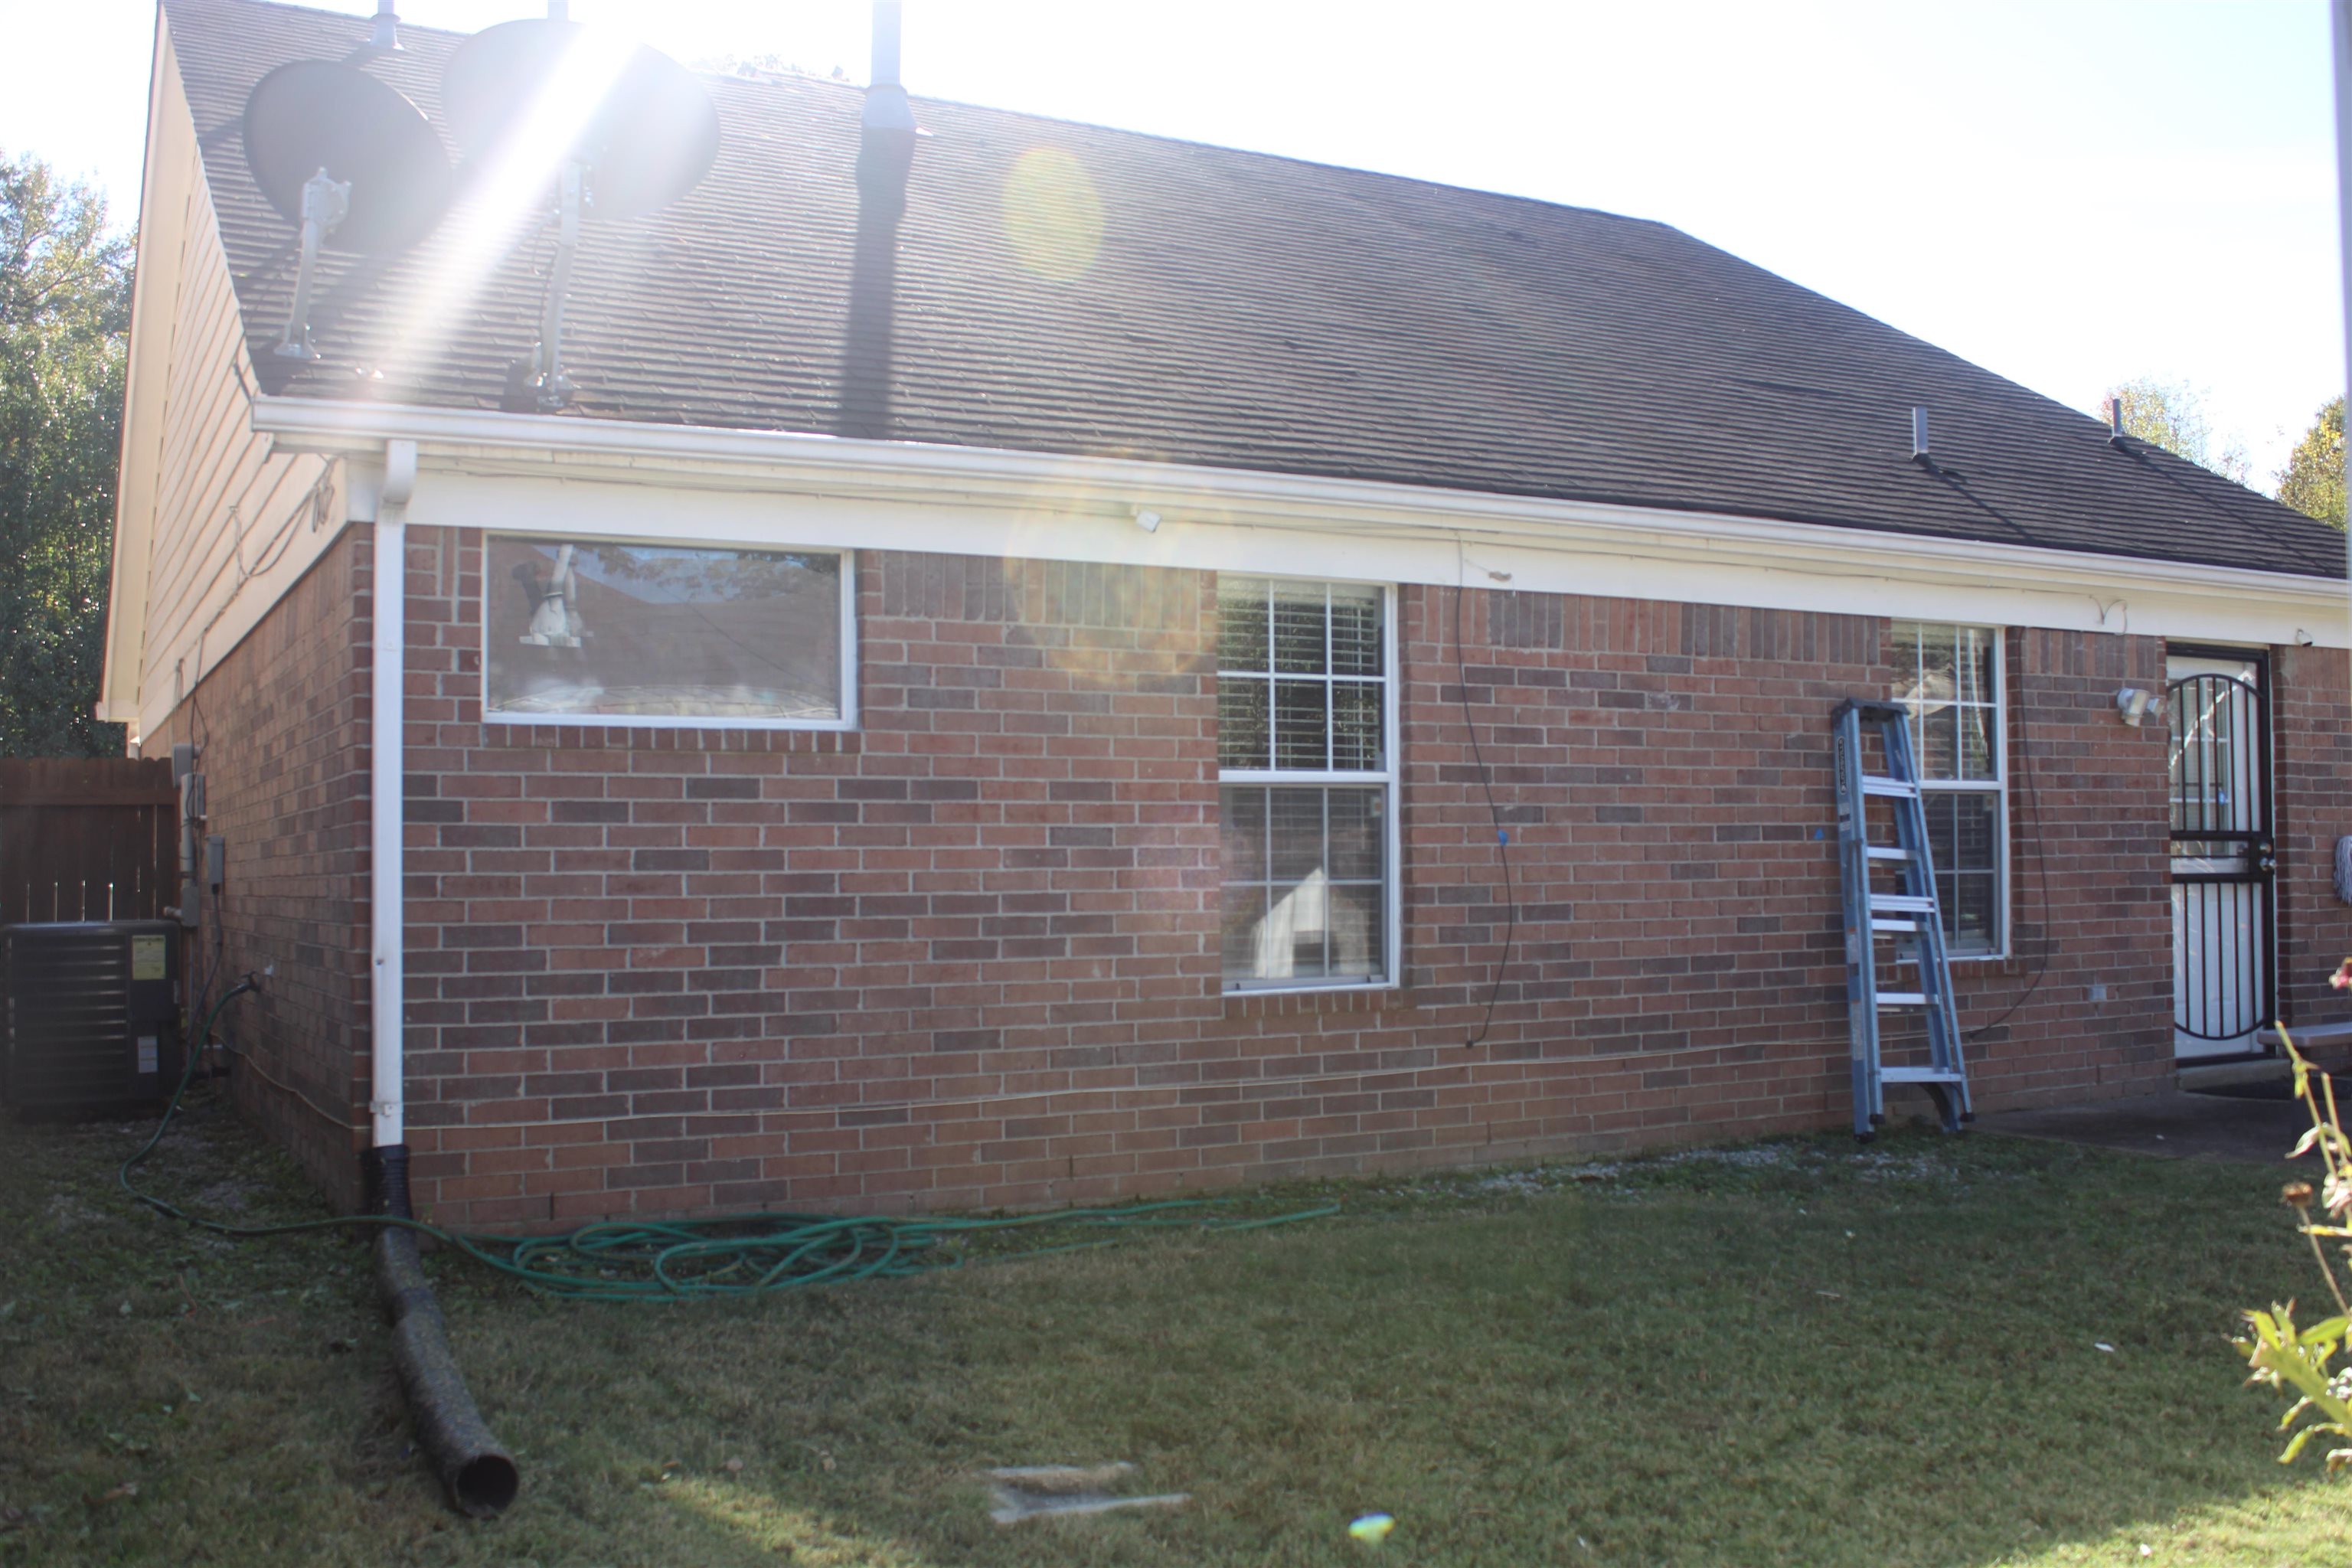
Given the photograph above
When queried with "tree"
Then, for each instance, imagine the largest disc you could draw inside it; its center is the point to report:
(65, 312)
(2170, 415)
(2313, 479)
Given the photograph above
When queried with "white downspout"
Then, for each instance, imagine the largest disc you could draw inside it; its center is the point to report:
(2340, 23)
(387, 921)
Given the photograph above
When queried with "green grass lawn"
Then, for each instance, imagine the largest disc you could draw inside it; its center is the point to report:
(1792, 1352)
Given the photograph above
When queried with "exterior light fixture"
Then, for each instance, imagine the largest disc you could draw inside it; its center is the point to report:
(2134, 704)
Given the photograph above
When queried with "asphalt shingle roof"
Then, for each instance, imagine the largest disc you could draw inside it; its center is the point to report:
(1238, 310)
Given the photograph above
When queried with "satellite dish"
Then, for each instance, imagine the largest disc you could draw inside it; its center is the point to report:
(650, 137)
(315, 115)
(350, 159)
(642, 133)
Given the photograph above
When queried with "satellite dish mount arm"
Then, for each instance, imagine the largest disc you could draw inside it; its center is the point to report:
(552, 388)
(326, 202)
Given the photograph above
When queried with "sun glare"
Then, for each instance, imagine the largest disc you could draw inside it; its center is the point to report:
(504, 199)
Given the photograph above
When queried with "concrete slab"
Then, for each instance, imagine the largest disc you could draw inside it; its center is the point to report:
(2170, 1125)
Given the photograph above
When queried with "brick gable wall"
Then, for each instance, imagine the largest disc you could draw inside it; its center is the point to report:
(283, 722)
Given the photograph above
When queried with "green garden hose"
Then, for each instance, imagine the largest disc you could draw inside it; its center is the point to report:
(730, 1255)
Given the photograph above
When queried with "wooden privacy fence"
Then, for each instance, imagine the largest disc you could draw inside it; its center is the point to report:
(87, 838)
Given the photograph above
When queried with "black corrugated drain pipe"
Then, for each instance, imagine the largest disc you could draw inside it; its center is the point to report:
(479, 1475)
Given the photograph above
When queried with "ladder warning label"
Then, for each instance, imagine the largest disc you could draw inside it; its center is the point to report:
(146, 1053)
(147, 958)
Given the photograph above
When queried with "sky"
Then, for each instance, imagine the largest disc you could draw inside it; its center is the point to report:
(2070, 193)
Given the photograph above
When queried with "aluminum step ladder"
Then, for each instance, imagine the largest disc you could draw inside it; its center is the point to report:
(1890, 897)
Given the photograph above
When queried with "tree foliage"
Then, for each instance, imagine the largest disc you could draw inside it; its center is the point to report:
(65, 311)
(2313, 481)
(2170, 415)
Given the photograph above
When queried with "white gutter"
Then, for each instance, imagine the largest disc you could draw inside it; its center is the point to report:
(485, 442)
(387, 915)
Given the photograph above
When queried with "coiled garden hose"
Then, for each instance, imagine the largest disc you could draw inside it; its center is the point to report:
(730, 1255)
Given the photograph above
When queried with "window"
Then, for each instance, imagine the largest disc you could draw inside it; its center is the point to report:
(1949, 677)
(1308, 783)
(601, 632)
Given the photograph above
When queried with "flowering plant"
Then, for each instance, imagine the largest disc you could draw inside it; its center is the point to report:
(2283, 1356)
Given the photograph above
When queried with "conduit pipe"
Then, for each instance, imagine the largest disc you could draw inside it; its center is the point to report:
(479, 1475)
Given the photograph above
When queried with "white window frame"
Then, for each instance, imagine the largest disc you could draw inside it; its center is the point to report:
(1997, 786)
(849, 632)
(1392, 850)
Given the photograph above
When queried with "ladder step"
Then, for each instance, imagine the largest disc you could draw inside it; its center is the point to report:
(1920, 1075)
(1880, 852)
(1901, 904)
(1894, 926)
(1902, 999)
(1900, 789)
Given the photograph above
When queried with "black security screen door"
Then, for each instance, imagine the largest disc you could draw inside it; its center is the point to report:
(2222, 861)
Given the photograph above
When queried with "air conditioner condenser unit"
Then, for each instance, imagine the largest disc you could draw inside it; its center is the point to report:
(91, 1017)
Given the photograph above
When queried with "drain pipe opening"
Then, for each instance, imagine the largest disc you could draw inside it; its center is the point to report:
(476, 1472)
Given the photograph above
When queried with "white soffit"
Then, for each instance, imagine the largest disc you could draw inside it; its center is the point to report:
(572, 475)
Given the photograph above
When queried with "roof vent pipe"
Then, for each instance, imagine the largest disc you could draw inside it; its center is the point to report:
(886, 142)
(1919, 432)
(387, 36)
(887, 108)
(2115, 420)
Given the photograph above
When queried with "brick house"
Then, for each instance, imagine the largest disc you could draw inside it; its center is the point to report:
(1002, 688)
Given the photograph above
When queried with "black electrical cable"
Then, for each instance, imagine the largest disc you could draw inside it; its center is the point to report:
(1495, 813)
(2042, 870)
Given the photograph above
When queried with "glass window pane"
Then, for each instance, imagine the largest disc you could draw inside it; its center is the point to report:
(1904, 655)
(1977, 738)
(580, 630)
(1356, 635)
(1241, 809)
(1354, 947)
(1939, 755)
(1299, 629)
(1356, 725)
(1241, 722)
(1241, 622)
(1935, 680)
(1976, 820)
(1939, 805)
(1244, 918)
(1974, 661)
(1358, 834)
(1295, 819)
(1968, 922)
(1302, 727)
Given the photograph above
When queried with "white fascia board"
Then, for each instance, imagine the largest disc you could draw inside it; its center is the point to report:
(819, 490)
(138, 463)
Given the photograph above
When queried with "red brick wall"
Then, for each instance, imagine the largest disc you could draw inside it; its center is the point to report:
(283, 722)
(2311, 733)
(2089, 902)
(968, 954)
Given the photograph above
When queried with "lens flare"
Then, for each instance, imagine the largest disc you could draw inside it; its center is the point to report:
(1053, 216)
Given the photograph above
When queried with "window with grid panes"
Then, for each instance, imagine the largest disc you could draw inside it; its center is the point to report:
(1307, 782)
(1949, 678)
